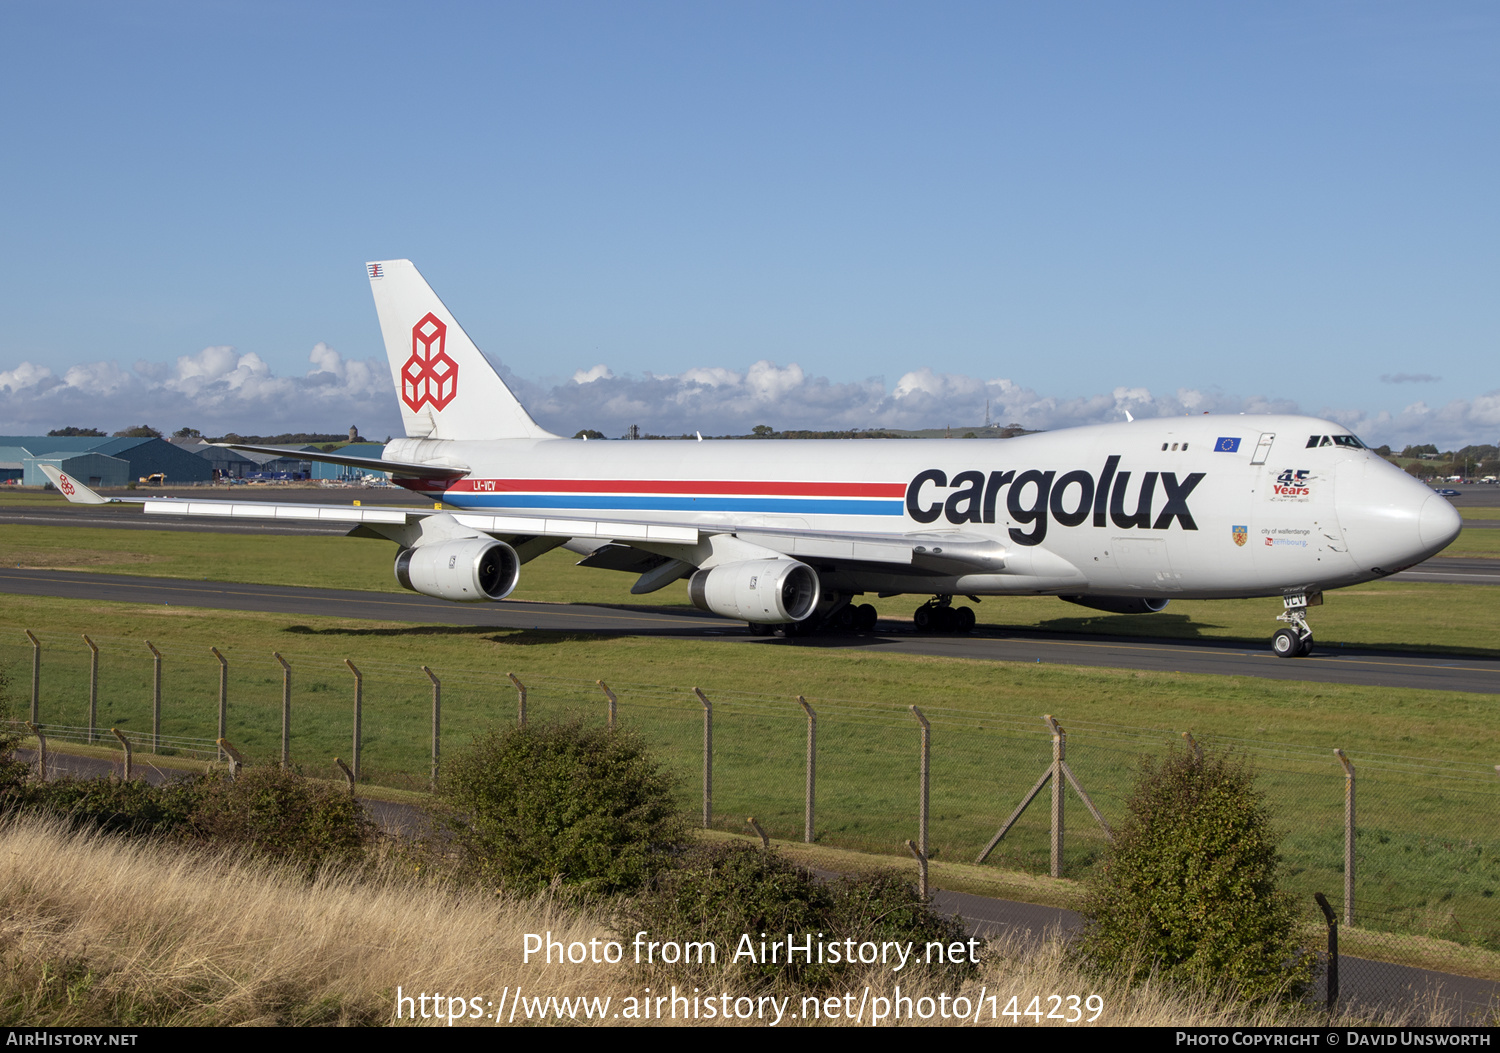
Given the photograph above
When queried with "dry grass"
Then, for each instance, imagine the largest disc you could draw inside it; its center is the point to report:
(97, 931)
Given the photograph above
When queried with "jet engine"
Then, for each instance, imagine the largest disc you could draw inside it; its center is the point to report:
(1119, 604)
(766, 591)
(468, 570)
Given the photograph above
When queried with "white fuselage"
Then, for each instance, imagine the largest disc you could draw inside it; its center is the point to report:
(1196, 507)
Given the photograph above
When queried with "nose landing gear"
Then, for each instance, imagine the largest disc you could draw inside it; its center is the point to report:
(1296, 640)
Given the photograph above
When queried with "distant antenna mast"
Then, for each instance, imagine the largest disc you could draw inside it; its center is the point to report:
(986, 413)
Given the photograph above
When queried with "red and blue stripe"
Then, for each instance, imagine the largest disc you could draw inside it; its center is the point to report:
(681, 495)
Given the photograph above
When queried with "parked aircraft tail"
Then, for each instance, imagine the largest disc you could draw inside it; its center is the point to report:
(445, 387)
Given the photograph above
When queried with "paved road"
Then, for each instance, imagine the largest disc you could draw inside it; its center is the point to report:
(988, 643)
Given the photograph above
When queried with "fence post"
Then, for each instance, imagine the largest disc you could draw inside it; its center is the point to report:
(1187, 736)
(520, 699)
(36, 677)
(754, 824)
(128, 758)
(1348, 836)
(223, 699)
(437, 710)
(236, 762)
(812, 769)
(921, 851)
(359, 696)
(1059, 754)
(93, 685)
(155, 697)
(613, 702)
(286, 710)
(921, 868)
(708, 757)
(41, 750)
(1333, 949)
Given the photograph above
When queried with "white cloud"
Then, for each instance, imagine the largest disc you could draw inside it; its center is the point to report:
(216, 390)
(26, 375)
(588, 376)
(220, 389)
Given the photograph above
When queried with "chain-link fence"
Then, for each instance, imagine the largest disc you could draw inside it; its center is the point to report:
(1421, 835)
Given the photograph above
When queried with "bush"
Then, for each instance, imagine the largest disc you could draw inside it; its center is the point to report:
(134, 807)
(1188, 890)
(719, 893)
(283, 816)
(565, 802)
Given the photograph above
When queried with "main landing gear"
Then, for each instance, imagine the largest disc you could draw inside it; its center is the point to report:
(938, 615)
(850, 617)
(1296, 640)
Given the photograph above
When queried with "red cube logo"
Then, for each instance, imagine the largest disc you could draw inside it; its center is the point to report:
(429, 375)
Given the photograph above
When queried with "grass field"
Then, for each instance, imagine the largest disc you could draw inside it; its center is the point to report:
(1483, 542)
(1428, 854)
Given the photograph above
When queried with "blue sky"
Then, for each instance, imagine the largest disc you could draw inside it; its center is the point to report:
(854, 214)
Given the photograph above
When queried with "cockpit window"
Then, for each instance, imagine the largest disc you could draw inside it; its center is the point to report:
(1335, 440)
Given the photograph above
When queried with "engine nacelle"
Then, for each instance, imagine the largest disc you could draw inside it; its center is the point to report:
(767, 591)
(1119, 604)
(468, 570)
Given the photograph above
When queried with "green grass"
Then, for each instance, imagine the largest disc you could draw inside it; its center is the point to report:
(1428, 854)
(1477, 541)
(1472, 512)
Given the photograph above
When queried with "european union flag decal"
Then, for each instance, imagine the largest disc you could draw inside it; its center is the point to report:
(1227, 445)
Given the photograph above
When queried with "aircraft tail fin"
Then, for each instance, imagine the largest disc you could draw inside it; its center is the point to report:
(445, 387)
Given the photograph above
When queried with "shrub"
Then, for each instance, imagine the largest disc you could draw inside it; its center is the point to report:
(720, 893)
(283, 816)
(580, 805)
(1188, 888)
(133, 807)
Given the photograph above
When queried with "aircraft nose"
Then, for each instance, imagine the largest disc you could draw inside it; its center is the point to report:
(1439, 523)
(1390, 520)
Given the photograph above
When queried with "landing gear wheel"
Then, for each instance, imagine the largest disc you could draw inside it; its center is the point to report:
(1307, 646)
(922, 619)
(963, 620)
(1287, 643)
(943, 619)
(760, 629)
(865, 616)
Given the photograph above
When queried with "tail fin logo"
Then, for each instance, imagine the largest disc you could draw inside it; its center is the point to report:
(429, 375)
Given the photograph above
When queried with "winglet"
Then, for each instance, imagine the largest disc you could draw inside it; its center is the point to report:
(71, 488)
